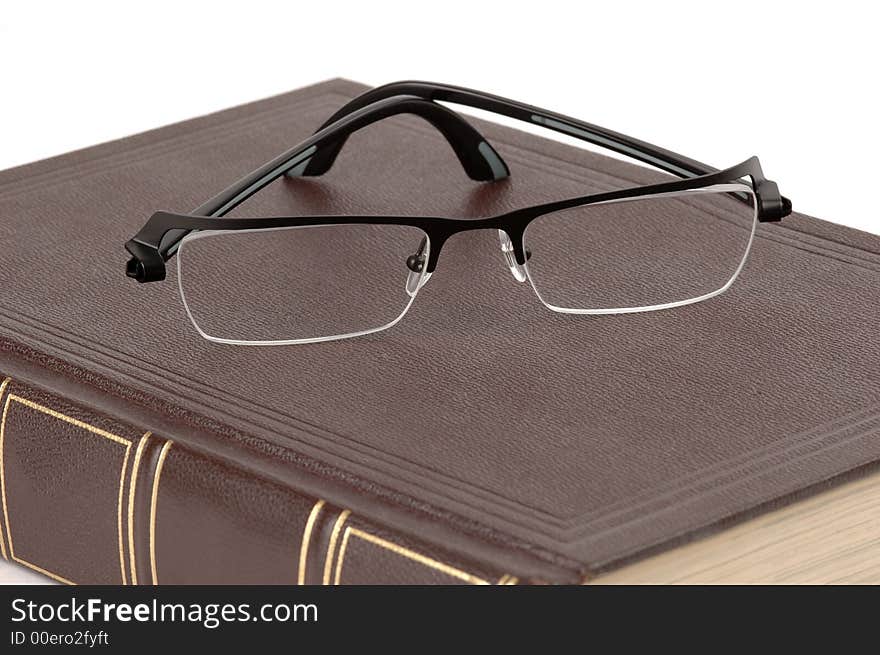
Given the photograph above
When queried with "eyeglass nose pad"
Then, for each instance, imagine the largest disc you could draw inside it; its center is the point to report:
(516, 269)
(415, 280)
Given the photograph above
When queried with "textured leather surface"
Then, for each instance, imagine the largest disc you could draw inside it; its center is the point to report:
(65, 486)
(89, 499)
(550, 445)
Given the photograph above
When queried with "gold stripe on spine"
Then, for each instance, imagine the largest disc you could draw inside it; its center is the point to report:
(67, 419)
(132, 488)
(119, 504)
(154, 497)
(404, 552)
(306, 538)
(331, 549)
(342, 548)
(3, 386)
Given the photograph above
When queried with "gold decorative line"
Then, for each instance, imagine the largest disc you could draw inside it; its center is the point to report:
(36, 568)
(153, 503)
(3, 386)
(119, 513)
(80, 424)
(304, 547)
(404, 552)
(69, 419)
(132, 487)
(331, 549)
(342, 548)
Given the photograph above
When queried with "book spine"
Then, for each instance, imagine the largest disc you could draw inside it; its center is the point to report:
(89, 499)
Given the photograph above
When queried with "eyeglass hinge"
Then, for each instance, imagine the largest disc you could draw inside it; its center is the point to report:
(146, 264)
(772, 207)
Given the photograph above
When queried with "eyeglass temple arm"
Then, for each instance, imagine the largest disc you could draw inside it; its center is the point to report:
(479, 159)
(656, 156)
(650, 154)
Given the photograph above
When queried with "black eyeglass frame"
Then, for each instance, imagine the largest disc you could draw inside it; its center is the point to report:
(160, 237)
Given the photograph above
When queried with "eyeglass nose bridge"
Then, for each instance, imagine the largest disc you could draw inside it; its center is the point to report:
(422, 262)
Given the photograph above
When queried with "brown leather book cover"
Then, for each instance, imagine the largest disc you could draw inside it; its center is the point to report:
(482, 439)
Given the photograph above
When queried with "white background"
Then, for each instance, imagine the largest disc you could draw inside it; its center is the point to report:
(795, 83)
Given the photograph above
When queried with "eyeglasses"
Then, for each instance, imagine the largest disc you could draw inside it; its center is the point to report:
(321, 278)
